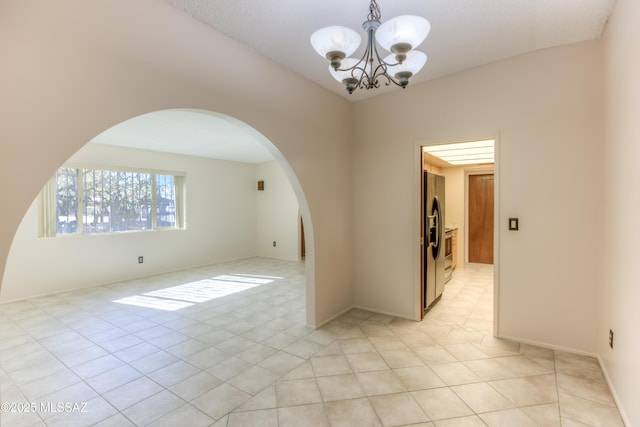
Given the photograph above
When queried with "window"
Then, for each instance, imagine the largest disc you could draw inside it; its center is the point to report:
(110, 201)
(165, 201)
(67, 200)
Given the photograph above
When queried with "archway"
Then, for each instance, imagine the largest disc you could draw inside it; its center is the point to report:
(223, 124)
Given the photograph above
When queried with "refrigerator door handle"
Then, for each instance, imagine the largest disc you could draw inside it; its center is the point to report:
(438, 227)
(430, 230)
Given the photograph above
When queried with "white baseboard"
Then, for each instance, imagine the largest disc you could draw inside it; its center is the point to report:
(616, 399)
(335, 316)
(519, 340)
(386, 313)
(549, 346)
(127, 279)
(603, 368)
(359, 307)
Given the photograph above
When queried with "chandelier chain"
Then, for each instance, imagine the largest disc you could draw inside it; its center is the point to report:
(374, 11)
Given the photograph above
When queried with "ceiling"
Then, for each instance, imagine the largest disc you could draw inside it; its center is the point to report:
(464, 33)
(460, 153)
(189, 132)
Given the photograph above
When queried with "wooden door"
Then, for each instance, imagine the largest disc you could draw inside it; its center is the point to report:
(481, 218)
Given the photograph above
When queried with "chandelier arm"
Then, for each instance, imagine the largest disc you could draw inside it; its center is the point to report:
(381, 69)
(365, 80)
(358, 68)
(371, 53)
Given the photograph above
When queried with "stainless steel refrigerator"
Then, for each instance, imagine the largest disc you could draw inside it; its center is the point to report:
(434, 238)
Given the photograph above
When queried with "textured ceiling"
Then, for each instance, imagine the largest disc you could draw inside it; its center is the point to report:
(464, 33)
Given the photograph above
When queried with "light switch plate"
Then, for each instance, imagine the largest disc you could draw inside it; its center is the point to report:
(513, 224)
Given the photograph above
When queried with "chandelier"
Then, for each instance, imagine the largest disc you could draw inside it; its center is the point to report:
(399, 36)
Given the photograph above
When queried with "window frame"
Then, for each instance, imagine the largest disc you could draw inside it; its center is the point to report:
(48, 201)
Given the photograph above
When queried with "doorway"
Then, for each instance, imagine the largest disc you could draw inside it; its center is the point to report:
(480, 205)
(457, 161)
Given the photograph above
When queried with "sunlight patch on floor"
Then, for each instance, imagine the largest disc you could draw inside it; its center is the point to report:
(178, 297)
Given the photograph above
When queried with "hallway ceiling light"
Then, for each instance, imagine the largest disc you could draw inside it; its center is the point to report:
(399, 36)
(464, 153)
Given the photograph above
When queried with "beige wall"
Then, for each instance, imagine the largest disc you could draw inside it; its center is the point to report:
(71, 69)
(546, 108)
(619, 296)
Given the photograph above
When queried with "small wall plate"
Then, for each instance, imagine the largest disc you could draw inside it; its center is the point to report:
(513, 223)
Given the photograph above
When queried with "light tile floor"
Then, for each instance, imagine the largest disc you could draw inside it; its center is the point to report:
(227, 345)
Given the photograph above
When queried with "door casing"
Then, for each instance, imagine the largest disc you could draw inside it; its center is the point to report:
(418, 219)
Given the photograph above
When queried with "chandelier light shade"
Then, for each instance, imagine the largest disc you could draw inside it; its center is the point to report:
(402, 33)
(347, 72)
(400, 36)
(350, 75)
(413, 63)
(335, 42)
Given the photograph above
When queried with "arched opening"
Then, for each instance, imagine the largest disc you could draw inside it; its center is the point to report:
(148, 142)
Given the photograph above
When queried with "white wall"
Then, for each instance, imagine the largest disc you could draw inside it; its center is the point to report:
(546, 107)
(619, 296)
(73, 69)
(220, 217)
(226, 219)
(277, 214)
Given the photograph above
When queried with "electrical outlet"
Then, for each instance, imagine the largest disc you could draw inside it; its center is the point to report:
(274, 243)
(610, 338)
(140, 260)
